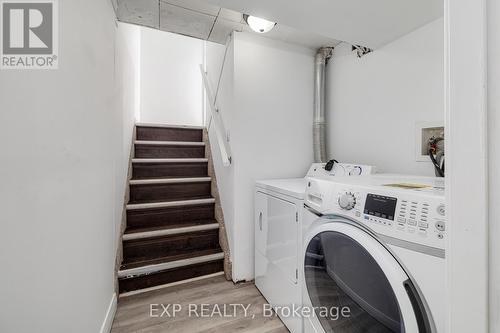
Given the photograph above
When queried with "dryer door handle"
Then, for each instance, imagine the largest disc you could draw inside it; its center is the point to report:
(260, 221)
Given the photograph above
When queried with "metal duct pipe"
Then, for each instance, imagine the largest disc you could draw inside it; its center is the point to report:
(319, 122)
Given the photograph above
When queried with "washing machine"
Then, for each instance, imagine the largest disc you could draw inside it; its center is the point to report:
(279, 231)
(373, 255)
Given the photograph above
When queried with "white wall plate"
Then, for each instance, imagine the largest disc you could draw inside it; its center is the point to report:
(422, 131)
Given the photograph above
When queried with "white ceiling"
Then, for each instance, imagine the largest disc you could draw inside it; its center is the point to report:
(370, 23)
(199, 19)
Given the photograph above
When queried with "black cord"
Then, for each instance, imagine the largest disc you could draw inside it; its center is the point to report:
(329, 165)
(439, 171)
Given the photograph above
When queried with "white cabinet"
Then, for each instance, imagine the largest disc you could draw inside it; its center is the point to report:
(277, 233)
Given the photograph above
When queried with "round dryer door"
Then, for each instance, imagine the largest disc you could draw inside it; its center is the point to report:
(354, 284)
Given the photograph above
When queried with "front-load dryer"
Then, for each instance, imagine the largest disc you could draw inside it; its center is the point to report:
(373, 255)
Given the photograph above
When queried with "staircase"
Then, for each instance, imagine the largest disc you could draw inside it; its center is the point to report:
(171, 232)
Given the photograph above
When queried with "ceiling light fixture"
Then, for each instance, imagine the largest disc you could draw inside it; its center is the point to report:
(259, 25)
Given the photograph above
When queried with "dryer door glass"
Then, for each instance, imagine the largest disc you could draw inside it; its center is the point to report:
(347, 288)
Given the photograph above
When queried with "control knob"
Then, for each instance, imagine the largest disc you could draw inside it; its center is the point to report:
(356, 171)
(347, 201)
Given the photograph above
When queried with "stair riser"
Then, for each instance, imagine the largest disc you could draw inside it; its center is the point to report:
(169, 134)
(154, 151)
(169, 170)
(170, 276)
(168, 192)
(152, 248)
(158, 217)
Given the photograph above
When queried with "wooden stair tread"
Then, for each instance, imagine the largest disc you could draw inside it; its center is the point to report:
(170, 232)
(161, 125)
(170, 150)
(183, 198)
(150, 205)
(152, 247)
(169, 143)
(169, 191)
(143, 282)
(162, 217)
(169, 180)
(162, 260)
(170, 226)
(169, 170)
(172, 177)
(161, 160)
(168, 133)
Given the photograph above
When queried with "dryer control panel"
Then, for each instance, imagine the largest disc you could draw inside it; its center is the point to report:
(410, 217)
(402, 210)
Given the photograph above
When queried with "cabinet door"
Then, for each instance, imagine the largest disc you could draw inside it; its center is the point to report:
(278, 227)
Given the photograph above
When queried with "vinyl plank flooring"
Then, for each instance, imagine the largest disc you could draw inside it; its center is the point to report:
(133, 313)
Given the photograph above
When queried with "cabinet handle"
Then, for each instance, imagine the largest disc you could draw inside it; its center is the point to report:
(260, 221)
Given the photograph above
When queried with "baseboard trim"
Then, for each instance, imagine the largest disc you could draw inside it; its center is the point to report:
(110, 315)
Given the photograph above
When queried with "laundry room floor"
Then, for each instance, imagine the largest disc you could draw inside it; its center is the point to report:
(209, 305)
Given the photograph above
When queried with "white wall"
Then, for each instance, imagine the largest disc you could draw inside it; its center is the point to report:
(269, 120)
(128, 67)
(128, 91)
(272, 134)
(62, 189)
(373, 102)
(494, 160)
(171, 86)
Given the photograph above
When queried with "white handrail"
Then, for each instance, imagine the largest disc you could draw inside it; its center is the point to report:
(219, 128)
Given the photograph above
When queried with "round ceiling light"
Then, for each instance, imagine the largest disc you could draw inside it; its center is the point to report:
(259, 25)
